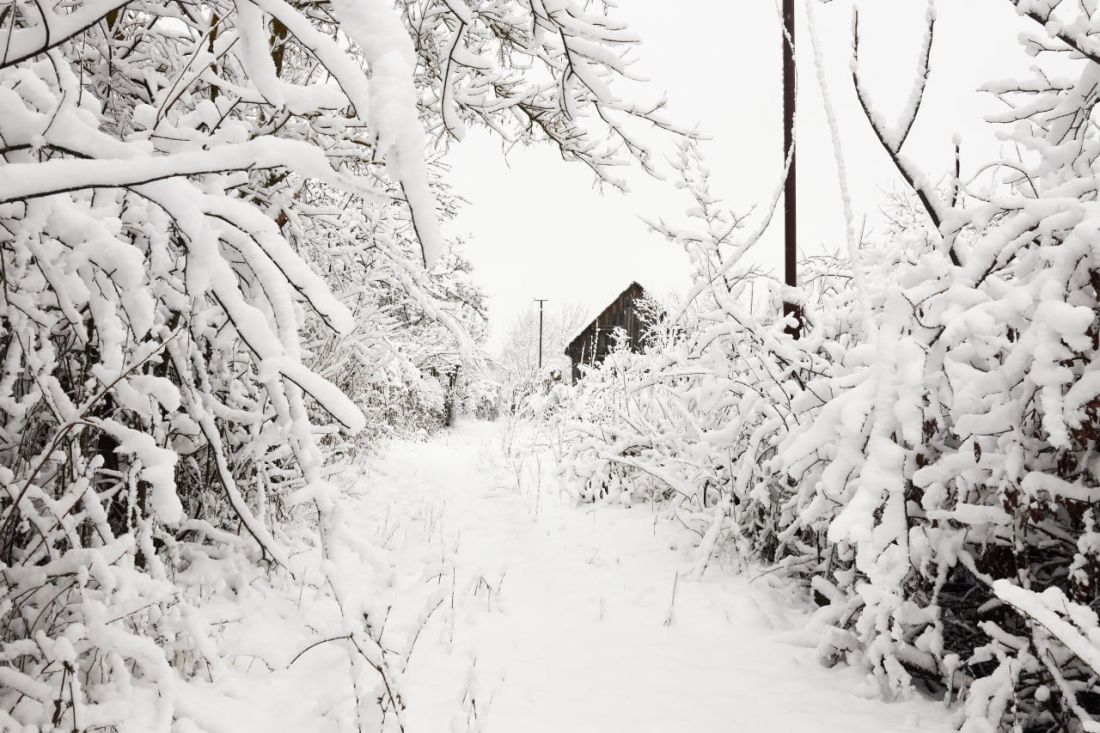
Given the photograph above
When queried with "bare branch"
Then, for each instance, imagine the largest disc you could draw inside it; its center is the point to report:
(928, 198)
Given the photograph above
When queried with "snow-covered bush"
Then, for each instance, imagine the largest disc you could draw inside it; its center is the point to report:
(416, 346)
(924, 457)
(219, 253)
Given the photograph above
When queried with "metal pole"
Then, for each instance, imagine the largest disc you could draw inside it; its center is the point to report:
(790, 208)
(540, 301)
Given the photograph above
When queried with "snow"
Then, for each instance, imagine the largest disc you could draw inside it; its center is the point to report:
(255, 55)
(842, 168)
(52, 29)
(29, 180)
(158, 467)
(392, 108)
(1050, 609)
(184, 546)
(558, 621)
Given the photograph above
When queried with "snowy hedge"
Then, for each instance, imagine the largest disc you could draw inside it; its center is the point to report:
(220, 252)
(924, 457)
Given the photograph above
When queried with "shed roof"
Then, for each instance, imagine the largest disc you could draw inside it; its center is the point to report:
(607, 304)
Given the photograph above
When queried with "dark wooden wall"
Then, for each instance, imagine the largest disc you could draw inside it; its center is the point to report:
(595, 341)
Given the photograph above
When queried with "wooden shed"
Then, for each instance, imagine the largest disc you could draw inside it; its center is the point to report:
(594, 342)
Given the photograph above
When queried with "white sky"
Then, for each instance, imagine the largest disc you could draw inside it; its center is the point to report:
(538, 227)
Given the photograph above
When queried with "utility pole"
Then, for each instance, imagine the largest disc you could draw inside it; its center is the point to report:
(790, 208)
(540, 301)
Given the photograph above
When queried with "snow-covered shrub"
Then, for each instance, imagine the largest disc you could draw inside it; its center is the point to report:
(924, 457)
(416, 346)
(215, 224)
(481, 398)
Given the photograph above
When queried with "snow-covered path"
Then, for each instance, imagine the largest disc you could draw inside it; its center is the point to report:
(559, 621)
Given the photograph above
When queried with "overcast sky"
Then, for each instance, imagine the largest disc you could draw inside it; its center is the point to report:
(538, 227)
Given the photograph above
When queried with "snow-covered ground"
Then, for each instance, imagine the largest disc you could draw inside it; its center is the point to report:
(560, 615)
(525, 613)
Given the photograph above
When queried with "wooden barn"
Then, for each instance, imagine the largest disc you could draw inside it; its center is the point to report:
(594, 342)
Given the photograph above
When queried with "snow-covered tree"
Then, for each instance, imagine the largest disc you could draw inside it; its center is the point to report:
(219, 239)
(924, 457)
(519, 356)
